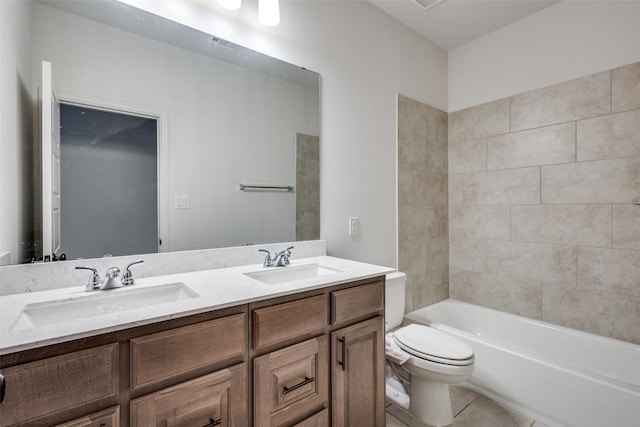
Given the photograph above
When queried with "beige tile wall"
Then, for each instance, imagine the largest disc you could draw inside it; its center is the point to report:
(541, 220)
(422, 202)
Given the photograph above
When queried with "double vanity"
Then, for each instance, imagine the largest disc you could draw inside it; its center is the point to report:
(298, 345)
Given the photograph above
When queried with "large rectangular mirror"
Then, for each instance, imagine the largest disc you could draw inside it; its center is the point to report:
(170, 139)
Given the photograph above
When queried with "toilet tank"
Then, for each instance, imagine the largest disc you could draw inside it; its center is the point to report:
(394, 299)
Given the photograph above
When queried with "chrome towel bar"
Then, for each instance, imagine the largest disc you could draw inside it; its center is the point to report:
(245, 187)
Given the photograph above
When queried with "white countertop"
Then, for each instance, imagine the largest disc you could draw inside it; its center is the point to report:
(216, 289)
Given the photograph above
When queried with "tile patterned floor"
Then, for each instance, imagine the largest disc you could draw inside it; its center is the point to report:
(470, 410)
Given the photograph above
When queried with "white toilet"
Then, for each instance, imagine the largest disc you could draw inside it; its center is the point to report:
(432, 359)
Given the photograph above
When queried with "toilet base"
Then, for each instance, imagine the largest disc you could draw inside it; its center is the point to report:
(431, 403)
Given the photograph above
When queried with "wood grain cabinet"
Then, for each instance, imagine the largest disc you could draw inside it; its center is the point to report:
(312, 359)
(217, 399)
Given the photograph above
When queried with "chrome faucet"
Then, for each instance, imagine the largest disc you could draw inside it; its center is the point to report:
(109, 281)
(281, 259)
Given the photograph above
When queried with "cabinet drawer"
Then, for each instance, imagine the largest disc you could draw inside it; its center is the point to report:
(107, 418)
(215, 399)
(290, 382)
(320, 419)
(59, 383)
(162, 355)
(358, 301)
(289, 320)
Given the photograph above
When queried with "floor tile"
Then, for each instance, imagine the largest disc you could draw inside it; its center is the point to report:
(461, 397)
(394, 422)
(485, 413)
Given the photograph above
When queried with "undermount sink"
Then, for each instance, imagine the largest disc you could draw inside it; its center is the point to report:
(98, 303)
(276, 275)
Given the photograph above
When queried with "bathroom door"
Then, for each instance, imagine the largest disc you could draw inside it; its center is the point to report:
(50, 125)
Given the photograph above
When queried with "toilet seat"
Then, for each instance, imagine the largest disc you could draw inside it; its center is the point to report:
(433, 345)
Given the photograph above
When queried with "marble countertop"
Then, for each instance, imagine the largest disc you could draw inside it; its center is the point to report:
(215, 289)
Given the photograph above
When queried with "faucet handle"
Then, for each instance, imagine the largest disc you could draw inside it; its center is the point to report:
(267, 259)
(287, 254)
(94, 280)
(127, 277)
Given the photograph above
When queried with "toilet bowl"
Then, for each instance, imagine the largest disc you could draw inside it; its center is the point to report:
(430, 358)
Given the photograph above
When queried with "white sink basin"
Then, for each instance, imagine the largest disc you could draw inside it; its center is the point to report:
(98, 303)
(276, 275)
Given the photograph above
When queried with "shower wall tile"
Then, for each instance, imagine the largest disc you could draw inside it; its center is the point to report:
(626, 226)
(609, 137)
(602, 181)
(468, 254)
(456, 189)
(573, 100)
(517, 296)
(479, 222)
(543, 146)
(513, 186)
(480, 121)
(412, 116)
(468, 156)
(434, 287)
(535, 261)
(614, 270)
(625, 87)
(412, 151)
(581, 225)
(602, 313)
(412, 222)
(436, 156)
(437, 254)
(412, 256)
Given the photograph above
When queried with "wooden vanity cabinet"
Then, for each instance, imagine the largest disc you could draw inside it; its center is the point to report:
(312, 359)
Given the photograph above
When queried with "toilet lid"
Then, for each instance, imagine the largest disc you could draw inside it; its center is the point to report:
(431, 344)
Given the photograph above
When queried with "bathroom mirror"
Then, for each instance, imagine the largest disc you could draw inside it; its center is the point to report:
(237, 132)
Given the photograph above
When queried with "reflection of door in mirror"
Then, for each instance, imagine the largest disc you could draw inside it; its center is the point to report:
(50, 116)
(109, 181)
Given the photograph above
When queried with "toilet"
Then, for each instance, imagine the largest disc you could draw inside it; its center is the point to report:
(427, 357)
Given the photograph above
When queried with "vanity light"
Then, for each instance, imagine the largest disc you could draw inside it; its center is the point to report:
(230, 4)
(269, 12)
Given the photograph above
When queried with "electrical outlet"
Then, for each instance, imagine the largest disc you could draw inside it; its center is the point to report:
(182, 202)
(354, 226)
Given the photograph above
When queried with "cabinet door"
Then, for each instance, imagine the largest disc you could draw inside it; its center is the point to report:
(215, 399)
(107, 418)
(291, 383)
(357, 369)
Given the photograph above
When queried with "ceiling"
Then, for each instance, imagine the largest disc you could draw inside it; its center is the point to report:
(452, 23)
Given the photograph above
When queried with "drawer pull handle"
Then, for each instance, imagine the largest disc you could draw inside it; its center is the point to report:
(3, 387)
(343, 362)
(306, 381)
(213, 422)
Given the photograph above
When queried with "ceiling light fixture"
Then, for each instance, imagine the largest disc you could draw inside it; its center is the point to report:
(269, 12)
(230, 4)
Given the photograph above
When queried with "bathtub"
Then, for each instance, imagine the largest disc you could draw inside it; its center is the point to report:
(557, 375)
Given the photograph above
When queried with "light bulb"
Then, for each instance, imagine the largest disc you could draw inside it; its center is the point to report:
(269, 12)
(230, 4)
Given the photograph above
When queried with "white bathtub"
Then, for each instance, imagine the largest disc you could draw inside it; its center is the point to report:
(557, 375)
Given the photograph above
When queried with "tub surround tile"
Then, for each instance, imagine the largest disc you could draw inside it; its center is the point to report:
(625, 87)
(468, 254)
(601, 181)
(412, 222)
(437, 254)
(430, 288)
(513, 186)
(543, 146)
(479, 222)
(536, 261)
(468, 156)
(573, 100)
(615, 270)
(456, 189)
(580, 225)
(626, 226)
(609, 137)
(412, 116)
(602, 313)
(436, 157)
(517, 296)
(412, 255)
(412, 151)
(479, 121)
